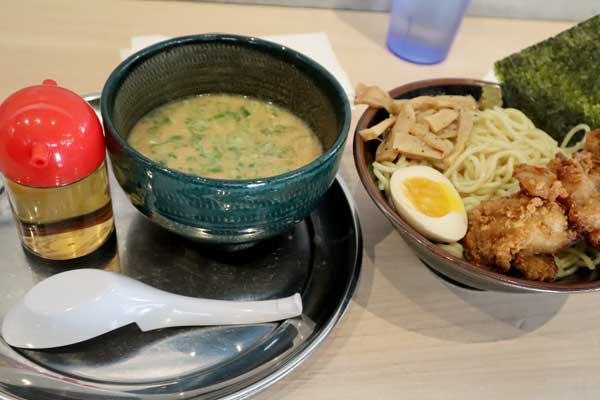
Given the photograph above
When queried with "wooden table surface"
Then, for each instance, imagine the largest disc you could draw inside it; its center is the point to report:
(407, 334)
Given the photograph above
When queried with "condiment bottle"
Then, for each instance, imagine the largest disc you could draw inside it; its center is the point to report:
(52, 156)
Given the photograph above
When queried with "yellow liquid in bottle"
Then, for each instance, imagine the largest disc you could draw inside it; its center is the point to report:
(64, 222)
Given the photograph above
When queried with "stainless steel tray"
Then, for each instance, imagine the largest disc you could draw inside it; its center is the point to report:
(320, 258)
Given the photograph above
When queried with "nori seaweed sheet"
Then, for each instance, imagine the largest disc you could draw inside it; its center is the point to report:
(556, 82)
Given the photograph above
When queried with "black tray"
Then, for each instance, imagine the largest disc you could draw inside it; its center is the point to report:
(320, 258)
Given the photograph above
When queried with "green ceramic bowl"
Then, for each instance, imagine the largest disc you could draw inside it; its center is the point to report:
(232, 212)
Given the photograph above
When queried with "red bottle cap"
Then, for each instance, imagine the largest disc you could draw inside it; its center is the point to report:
(49, 136)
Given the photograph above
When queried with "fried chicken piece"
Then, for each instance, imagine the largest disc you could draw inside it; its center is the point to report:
(558, 204)
(539, 181)
(536, 267)
(584, 159)
(500, 229)
(583, 201)
(592, 145)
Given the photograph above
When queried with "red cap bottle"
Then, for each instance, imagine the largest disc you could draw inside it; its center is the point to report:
(52, 156)
(49, 136)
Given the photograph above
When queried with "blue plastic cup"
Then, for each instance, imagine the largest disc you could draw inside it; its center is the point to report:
(422, 31)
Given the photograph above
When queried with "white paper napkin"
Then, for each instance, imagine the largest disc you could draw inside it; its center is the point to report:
(490, 76)
(314, 45)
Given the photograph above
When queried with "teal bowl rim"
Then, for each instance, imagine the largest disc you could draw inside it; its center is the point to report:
(283, 52)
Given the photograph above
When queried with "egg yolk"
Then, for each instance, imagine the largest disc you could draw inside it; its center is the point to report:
(431, 198)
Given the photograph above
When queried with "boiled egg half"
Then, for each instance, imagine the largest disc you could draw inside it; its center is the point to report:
(429, 202)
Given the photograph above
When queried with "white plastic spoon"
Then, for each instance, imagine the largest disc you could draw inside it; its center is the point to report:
(78, 305)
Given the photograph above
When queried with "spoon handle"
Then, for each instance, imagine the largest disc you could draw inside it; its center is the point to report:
(186, 311)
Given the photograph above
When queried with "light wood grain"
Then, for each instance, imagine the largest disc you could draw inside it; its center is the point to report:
(407, 335)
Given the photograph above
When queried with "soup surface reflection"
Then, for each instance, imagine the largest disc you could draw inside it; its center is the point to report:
(225, 137)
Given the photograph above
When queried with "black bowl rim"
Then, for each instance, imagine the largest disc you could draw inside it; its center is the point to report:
(284, 52)
(410, 234)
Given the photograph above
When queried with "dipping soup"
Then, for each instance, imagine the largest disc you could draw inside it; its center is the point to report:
(225, 137)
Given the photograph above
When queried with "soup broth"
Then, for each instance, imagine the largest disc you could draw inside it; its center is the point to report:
(225, 137)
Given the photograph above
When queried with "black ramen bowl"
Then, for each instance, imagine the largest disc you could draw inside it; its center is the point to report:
(444, 263)
(215, 211)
